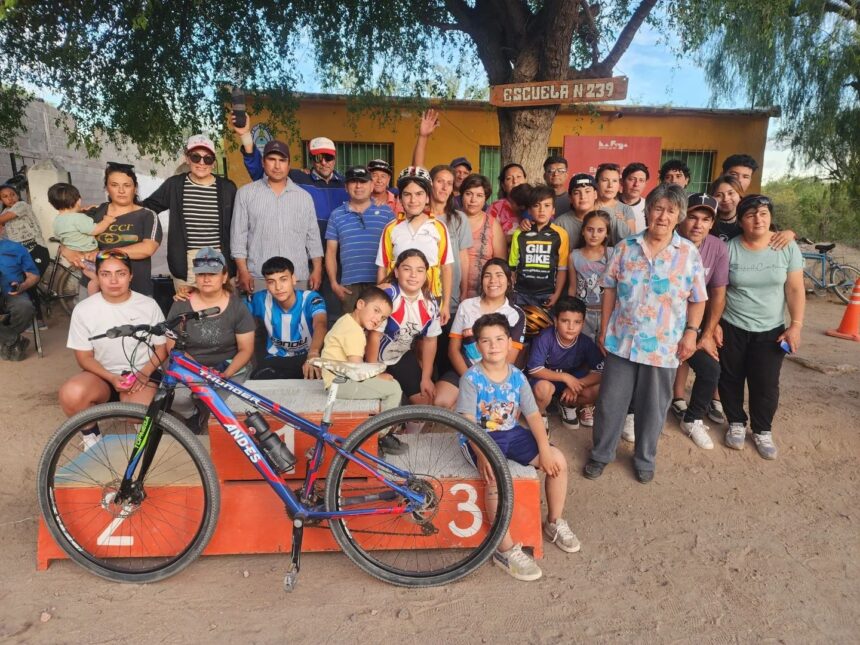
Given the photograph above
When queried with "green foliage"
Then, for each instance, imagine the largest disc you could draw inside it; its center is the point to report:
(820, 210)
(13, 101)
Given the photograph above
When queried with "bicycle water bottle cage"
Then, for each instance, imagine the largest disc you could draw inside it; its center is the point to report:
(351, 371)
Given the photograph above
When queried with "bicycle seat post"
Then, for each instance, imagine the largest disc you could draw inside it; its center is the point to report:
(332, 395)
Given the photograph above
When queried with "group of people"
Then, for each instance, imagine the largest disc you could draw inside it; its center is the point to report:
(595, 293)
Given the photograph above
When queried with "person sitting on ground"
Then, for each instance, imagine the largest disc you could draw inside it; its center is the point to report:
(505, 209)
(76, 230)
(539, 256)
(705, 362)
(352, 238)
(18, 274)
(675, 172)
(583, 200)
(742, 167)
(295, 323)
(634, 177)
(224, 342)
(496, 296)
(114, 369)
(566, 365)
(493, 394)
(488, 238)
(346, 341)
(587, 264)
(608, 177)
(416, 228)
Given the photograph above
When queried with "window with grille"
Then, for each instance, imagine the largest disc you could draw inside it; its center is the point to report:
(352, 153)
(700, 163)
(490, 162)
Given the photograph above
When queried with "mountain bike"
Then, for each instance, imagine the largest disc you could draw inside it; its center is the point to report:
(141, 503)
(59, 283)
(817, 266)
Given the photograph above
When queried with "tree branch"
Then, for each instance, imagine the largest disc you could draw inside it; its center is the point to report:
(605, 67)
(592, 26)
(462, 14)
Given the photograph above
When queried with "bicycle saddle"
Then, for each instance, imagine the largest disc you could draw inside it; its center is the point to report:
(351, 371)
(824, 248)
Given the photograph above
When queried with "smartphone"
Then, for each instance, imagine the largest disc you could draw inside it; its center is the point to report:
(784, 346)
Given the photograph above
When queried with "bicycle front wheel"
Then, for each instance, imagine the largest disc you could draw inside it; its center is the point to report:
(158, 532)
(842, 279)
(447, 536)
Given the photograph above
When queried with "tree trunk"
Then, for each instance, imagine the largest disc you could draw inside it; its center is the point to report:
(524, 136)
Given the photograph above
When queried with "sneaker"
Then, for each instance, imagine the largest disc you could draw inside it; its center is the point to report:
(391, 445)
(42, 324)
(4, 351)
(586, 416)
(698, 432)
(628, 434)
(518, 564)
(545, 420)
(678, 408)
(715, 412)
(736, 435)
(568, 417)
(593, 469)
(18, 349)
(559, 533)
(765, 445)
(90, 439)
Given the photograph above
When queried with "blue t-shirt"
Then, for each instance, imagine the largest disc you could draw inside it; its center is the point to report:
(15, 260)
(358, 235)
(495, 406)
(288, 333)
(577, 359)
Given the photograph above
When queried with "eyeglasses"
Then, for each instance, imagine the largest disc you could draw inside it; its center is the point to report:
(196, 157)
(557, 171)
(323, 157)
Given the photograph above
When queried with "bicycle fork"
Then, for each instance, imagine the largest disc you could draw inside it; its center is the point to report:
(292, 576)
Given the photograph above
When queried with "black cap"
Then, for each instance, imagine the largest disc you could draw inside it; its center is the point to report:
(461, 161)
(357, 173)
(702, 200)
(380, 164)
(579, 180)
(276, 147)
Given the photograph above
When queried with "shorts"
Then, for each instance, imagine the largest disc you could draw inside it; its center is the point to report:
(280, 367)
(450, 377)
(517, 444)
(522, 298)
(407, 372)
(559, 385)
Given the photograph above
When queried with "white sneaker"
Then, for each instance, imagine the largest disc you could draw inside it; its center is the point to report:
(545, 420)
(90, 440)
(568, 417)
(517, 564)
(586, 416)
(559, 533)
(765, 445)
(628, 434)
(698, 432)
(736, 435)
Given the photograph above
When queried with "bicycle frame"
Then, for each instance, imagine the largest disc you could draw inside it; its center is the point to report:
(823, 261)
(181, 369)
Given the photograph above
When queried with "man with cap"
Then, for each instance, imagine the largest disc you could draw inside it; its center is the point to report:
(582, 192)
(555, 176)
(275, 217)
(18, 273)
(705, 362)
(201, 210)
(354, 230)
(380, 177)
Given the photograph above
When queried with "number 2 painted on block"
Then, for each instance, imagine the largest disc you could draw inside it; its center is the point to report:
(469, 506)
(107, 537)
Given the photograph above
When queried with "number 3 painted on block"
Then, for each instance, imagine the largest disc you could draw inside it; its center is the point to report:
(107, 537)
(468, 506)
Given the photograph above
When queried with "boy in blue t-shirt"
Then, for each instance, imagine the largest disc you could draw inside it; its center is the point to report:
(493, 393)
(295, 324)
(566, 364)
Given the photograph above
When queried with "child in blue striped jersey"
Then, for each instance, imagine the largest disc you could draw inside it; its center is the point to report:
(295, 324)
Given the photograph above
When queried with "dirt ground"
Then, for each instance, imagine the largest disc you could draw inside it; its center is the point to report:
(722, 547)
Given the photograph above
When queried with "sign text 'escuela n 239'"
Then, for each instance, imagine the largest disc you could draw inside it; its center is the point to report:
(586, 90)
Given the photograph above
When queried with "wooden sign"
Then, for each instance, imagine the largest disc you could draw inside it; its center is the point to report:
(585, 90)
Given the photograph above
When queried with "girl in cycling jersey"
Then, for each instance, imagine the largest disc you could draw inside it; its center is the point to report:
(414, 317)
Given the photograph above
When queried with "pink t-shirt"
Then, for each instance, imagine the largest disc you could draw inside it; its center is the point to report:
(504, 212)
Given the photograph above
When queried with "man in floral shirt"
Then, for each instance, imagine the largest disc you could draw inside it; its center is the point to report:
(653, 302)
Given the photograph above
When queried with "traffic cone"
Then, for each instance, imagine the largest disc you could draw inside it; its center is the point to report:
(849, 328)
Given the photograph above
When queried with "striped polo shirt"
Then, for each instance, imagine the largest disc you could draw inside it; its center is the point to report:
(265, 225)
(200, 214)
(357, 235)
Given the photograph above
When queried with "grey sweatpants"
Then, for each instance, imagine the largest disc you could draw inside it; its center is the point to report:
(650, 391)
(21, 311)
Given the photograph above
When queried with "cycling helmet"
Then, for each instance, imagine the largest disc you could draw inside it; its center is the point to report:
(537, 319)
(417, 174)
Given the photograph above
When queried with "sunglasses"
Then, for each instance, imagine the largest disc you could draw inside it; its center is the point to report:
(323, 157)
(209, 263)
(196, 157)
(755, 202)
(115, 165)
(116, 254)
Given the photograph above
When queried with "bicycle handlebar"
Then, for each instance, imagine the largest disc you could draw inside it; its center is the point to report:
(160, 328)
(805, 240)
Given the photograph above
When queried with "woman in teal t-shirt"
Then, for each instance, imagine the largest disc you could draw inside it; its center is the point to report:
(762, 281)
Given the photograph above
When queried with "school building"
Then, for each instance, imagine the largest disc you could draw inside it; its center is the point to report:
(700, 137)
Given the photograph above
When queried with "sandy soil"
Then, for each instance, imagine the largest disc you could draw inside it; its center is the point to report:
(722, 547)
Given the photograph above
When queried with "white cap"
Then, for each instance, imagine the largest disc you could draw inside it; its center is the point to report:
(321, 145)
(200, 141)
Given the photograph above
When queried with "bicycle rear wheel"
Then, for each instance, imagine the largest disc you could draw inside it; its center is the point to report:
(68, 287)
(451, 534)
(149, 539)
(843, 277)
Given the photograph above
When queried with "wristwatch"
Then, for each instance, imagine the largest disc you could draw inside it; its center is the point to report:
(698, 330)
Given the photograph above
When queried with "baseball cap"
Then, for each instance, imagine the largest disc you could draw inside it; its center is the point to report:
(702, 200)
(379, 164)
(276, 147)
(461, 161)
(200, 141)
(208, 260)
(579, 180)
(357, 173)
(322, 146)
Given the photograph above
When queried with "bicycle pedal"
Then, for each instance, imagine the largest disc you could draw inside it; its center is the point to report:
(290, 580)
